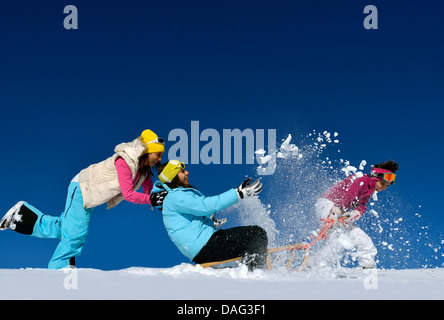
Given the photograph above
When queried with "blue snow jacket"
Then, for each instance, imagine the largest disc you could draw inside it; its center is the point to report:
(186, 216)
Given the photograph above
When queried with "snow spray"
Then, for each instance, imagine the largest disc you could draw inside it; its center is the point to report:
(303, 172)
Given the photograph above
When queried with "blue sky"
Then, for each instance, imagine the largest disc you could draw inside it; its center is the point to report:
(69, 96)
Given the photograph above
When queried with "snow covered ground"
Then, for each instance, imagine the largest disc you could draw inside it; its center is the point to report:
(186, 282)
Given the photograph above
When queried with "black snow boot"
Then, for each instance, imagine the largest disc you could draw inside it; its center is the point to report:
(19, 218)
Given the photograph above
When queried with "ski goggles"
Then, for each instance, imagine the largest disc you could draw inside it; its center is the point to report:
(176, 164)
(157, 140)
(388, 177)
(171, 170)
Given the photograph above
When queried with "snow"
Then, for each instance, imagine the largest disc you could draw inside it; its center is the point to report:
(251, 211)
(187, 282)
(286, 150)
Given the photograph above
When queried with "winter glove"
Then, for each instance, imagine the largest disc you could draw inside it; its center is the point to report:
(248, 189)
(218, 222)
(157, 198)
(335, 214)
(351, 216)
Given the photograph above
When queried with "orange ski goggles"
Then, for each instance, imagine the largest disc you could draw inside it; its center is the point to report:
(388, 177)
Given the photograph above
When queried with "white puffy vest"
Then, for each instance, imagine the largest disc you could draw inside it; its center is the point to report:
(99, 182)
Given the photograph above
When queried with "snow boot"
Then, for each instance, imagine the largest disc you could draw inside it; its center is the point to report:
(8, 217)
(19, 218)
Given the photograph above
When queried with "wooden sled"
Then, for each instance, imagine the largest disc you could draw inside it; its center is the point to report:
(290, 247)
(328, 224)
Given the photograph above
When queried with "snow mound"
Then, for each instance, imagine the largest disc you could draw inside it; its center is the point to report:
(187, 282)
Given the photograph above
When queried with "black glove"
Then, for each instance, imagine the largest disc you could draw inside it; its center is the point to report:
(248, 189)
(157, 198)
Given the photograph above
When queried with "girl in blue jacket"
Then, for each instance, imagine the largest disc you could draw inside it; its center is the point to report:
(187, 215)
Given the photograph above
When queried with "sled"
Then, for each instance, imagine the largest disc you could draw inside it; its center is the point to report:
(321, 235)
(290, 247)
(216, 263)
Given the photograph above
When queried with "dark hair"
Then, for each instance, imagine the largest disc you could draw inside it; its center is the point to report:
(388, 165)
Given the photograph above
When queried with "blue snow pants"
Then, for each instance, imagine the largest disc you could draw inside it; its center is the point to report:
(71, 227)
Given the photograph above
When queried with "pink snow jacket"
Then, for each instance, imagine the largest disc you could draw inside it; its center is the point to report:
(352, 193)
(127, 184)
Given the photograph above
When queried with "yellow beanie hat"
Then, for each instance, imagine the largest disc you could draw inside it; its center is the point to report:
(153, 143)
(171, 170)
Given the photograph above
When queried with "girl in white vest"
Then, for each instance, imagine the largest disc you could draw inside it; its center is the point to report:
(110, 181)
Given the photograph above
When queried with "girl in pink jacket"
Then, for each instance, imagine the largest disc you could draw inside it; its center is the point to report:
(342, 205)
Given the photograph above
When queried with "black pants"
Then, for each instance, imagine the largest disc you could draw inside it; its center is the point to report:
(248, 242)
